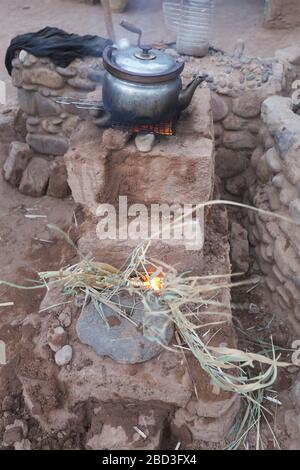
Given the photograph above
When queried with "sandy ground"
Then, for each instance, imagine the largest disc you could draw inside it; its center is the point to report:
(233, 19)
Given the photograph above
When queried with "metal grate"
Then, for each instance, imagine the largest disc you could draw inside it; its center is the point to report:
(162, 128)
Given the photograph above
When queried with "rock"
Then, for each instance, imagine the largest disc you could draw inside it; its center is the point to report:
(266, 138)
(57, 338)
(22, 56)
(16, 77)
(48, 144)
(69, 125)
(114, 139)
(96, 75)
(44, 77)
(239, 248)
(248, 105)
(33, 121)
(279, 181)
(285, 258)
(63, 356)
(234, 123)
(287, 195)
(68, 72)
(49, 127)
(289, 54)
(239, 140)
(25, 444)
(65, 318)
(253, 309)
(12, 434)
(236, 185)
(145, 142)
(16, 63)
(284, 141)
(274, 200)
(295, 210)
(8, 403)
(254, 125)
(277, 114)
(123, 341)
(218, 131)
(35, 178)
(29, 60)
(219, 107)
(16, 162)
(26, 100)
(7, 127)
(273, 161)
(239, 49)
(58, 181)
(82, 84)
(262, 170)
(46, 107)
(230, 163)
(295, 393)
(34, 103)
(256, 156)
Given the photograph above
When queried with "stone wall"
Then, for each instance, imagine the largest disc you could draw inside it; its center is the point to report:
(239, 85)
(39, 84)
(257, 158)
(276, 163)
(34, 163)
(238, 124)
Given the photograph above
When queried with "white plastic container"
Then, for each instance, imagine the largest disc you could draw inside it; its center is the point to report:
(192, 21)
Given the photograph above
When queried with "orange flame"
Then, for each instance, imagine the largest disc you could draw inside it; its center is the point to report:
(155, 283)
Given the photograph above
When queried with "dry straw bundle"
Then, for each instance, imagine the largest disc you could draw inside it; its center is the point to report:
(180, 298)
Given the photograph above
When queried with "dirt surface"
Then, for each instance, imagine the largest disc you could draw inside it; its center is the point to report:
(24, 249)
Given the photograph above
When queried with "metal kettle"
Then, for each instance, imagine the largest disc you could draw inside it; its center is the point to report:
(142, 84)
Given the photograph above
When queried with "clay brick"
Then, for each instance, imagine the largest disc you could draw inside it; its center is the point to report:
(173, 172)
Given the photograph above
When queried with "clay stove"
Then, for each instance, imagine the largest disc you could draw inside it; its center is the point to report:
(169, 397)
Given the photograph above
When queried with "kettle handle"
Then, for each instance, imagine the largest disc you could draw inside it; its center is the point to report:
(133, 29)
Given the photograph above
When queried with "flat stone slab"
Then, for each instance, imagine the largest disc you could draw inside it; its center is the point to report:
(112, 335)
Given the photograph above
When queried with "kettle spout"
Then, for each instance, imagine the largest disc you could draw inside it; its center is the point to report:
(186, 95)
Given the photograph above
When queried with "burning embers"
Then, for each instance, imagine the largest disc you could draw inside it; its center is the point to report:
(154, 281)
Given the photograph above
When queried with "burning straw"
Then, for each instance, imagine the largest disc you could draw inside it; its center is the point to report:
(179, 297)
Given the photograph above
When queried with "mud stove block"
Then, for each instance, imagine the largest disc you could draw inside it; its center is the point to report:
(157, 396)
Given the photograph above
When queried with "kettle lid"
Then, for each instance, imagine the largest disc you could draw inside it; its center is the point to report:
(149, 61)
(143, 65)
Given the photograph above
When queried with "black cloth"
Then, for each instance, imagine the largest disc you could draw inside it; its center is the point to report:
(61, 47)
